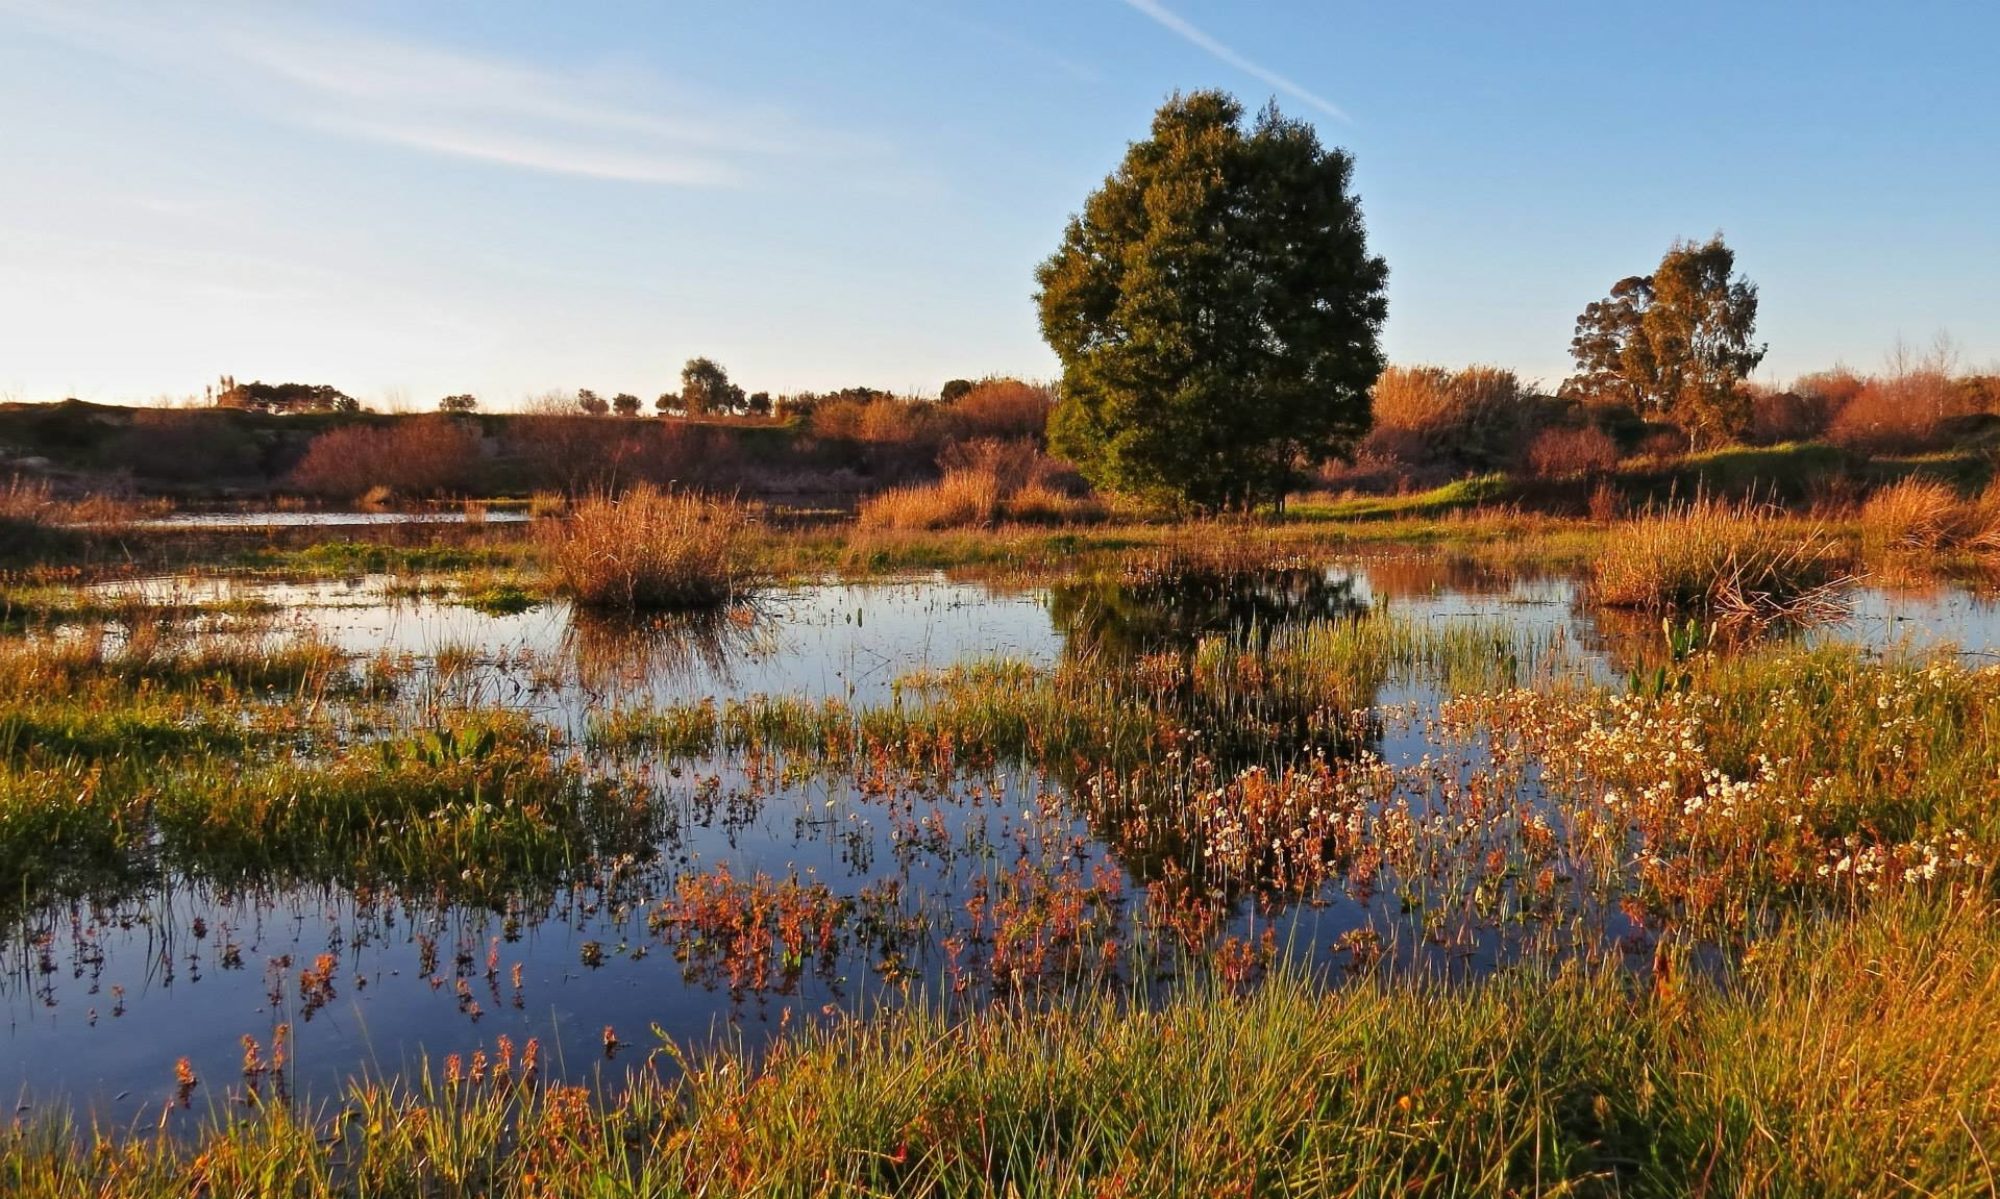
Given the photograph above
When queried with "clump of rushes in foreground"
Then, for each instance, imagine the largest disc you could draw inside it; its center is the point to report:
(1728, 561)
(1844, 1059)
(649, 551)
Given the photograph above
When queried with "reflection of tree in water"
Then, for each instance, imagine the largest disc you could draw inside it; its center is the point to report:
(612, 653)
(1406, 573)
(1228, 654)
(1170, 609)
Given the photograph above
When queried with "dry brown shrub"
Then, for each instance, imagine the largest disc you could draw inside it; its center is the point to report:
(1040, 504)
(985, 481)
(1011, 464)
(1607, 503)
(1831, 389)
(415, 457)
(1475, 417)
(838, 419)
(1781, 416)
(1898, 413)
(1004, 408)
(1568, 453)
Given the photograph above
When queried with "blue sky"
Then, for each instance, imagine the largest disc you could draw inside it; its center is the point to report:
(410, 199)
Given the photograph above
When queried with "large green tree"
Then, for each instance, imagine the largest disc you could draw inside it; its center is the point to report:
(1216, 310)
(1676, 342)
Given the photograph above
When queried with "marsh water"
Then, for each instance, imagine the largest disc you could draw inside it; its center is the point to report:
(102, 993)
(322, 519)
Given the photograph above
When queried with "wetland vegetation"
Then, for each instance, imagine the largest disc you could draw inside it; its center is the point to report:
(1237, 857)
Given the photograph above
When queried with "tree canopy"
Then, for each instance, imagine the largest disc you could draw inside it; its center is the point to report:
(1216, 310)
(705, 388)
(1676, 342)
(283, 397)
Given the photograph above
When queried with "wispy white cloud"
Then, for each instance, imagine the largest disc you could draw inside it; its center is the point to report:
(1080, 71)
(603, 124)
(1183, 29)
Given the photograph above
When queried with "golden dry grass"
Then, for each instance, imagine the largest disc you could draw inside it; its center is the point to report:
(1915, 514)
(962, 498)
(650, 550)
(1724, 560)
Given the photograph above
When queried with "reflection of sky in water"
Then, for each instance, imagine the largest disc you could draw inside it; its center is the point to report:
(839, 640)
(320, 520)
(853, 640)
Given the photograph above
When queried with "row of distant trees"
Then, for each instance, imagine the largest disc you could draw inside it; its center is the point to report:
(706, 390)
(280, 397)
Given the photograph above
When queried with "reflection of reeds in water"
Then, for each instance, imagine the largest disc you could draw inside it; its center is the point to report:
(610, 653)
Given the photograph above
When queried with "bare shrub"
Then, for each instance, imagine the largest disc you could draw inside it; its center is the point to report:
(1806, 410)
(577, 455)
(650, 550)
(1830, 389)
(1569, 453)
(415, 457)
(1663, 442)
(1900, 413)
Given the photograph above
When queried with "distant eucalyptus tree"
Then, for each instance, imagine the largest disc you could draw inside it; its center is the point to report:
(1677, 342)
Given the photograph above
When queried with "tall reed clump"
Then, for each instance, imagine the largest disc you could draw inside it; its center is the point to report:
(27, 501)
(985, 482)
(1729, 561)
(960, 499)
(650, 550)
(1927, 516)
